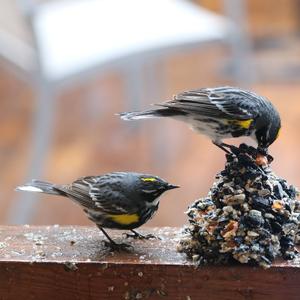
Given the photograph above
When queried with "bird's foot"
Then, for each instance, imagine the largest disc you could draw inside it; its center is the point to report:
(136, 235)
(114, 247)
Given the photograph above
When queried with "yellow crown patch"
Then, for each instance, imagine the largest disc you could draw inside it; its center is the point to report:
(277, 135)
(151, 179)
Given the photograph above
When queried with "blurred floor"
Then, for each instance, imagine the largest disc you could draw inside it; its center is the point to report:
(90, 139)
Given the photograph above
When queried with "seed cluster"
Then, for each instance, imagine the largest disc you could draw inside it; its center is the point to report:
(250, 215)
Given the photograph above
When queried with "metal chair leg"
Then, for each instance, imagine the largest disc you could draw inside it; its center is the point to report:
(243, 68)
(23, 209)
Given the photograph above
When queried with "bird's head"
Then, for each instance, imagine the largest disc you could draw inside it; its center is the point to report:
(266, 135)
(151, 187)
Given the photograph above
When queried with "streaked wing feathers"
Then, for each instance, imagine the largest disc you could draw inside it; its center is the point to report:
(93, 192)
(111, 204)
(223, 102)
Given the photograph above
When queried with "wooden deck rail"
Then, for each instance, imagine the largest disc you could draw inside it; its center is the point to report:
(56, 262)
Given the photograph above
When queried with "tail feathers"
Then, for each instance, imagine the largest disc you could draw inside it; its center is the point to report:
(148, 114)
(38, 186)
(136, 115)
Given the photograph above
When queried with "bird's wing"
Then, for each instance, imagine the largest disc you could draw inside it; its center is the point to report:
(224, 102)
(111, 197)
(94, 192)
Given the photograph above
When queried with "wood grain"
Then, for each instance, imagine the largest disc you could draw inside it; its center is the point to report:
(71, 262)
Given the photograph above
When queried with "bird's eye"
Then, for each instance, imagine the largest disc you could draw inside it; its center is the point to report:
(149, 191)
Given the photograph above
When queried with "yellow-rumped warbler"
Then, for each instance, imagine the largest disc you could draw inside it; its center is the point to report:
(119, 200)
(220, 113)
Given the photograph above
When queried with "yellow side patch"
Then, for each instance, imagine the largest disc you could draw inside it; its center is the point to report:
(245, 123)
(125, 219)
(149, 179)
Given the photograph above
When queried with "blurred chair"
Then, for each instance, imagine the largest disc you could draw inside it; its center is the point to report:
(55, 44)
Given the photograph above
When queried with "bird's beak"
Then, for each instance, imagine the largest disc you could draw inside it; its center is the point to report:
(171, 186)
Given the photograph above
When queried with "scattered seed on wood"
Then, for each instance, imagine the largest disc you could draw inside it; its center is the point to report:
(70, 266)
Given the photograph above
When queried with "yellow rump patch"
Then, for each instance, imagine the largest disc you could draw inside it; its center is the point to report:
(125, 219)
(245, 123)
(149, 179)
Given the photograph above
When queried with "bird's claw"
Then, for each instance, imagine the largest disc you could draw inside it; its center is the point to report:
(234, 149)
(139, 236)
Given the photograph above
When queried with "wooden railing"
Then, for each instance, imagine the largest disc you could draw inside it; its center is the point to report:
(55, 262)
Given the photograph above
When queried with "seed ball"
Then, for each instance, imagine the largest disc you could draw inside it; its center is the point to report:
(254, 218)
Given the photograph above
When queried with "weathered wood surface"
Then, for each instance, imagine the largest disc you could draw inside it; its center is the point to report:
(57, 262)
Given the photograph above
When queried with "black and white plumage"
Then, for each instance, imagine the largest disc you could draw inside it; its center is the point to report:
(118, 200)
(220, 113)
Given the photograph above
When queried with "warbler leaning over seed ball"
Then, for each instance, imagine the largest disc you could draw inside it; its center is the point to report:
(220, 113)
(119, 200)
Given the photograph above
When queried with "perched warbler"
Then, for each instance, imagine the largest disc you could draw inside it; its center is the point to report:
(220, 113)
(119, 200)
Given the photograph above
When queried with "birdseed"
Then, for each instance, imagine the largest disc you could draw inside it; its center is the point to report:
(250, 215)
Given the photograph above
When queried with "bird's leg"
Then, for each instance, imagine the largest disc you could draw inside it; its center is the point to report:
(223, 146)
(136, 235)
(112, 244)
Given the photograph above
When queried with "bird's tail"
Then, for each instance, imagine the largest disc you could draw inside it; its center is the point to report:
(38, 186)
(149, 114)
